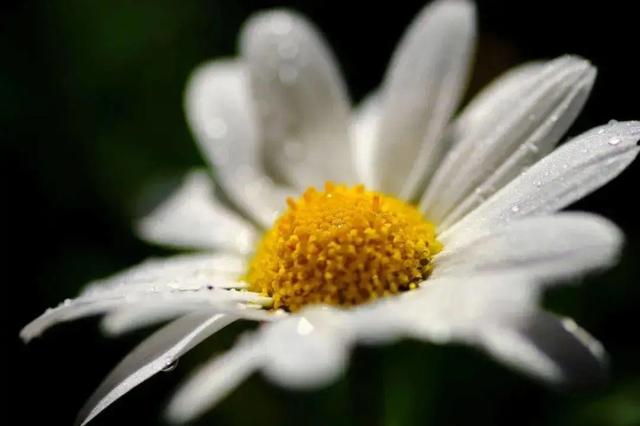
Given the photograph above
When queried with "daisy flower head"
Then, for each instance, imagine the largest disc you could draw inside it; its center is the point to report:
(344, 226)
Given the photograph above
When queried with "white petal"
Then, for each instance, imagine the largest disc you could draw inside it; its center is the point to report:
(304, 350)
(421, 91)
(494, 312)
(301, 101)
(445, 309)
(556, 351)
(363, 131)
(488, 107)
(551, 247)
(572, 171)
(192, 218)
(531, 126)
(181, 282)
(183, 272)
(84, 306)
(307, 350)
(219, 109)
(212, 382)
(156, 353)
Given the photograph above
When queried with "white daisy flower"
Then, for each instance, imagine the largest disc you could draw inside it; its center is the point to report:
(436, 229)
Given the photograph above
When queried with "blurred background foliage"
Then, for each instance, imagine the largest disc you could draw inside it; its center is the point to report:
(92, 117)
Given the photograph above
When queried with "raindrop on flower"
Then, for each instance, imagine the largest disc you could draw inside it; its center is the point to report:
(614, 141)
(515, 209)
(480, 193)
(532, 147)
(170, 365)
(304, 327)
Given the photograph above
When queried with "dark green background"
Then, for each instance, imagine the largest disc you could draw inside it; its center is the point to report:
(92, 116)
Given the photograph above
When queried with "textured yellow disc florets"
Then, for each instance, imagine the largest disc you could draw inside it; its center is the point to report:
(343, 246)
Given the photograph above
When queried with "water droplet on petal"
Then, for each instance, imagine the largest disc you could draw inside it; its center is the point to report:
(532, 147)
(614, 141)
(600, 131)
(612, 122)
(304, 327)
(515, 209)
(480, 193)
(170, 365)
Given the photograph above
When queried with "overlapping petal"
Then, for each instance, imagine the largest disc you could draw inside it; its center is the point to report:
(497, 313)
(306, 350)
(220, 112)
(529, 127)
(158, 352)
(181, 283)
(192, 218)
(301, 102)
(572, 171)
(423, 86)
(554, 247)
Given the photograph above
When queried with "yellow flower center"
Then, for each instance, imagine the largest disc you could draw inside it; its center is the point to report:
(343, 246)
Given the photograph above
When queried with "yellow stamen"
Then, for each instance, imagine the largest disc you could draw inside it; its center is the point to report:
(343, 246)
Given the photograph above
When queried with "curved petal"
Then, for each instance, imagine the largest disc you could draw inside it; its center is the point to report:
(219, 110)
(192, 218)
(301, 101)
(213, 381)
(530, 127)
(180, 282)
(305, 350)
(488, 108)
(554, 350)
(572, 171)
(549, 247)
(422, 89)
(72, 309)
(182, 272)
(158, 352)
(447, 308)
(494, 312)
